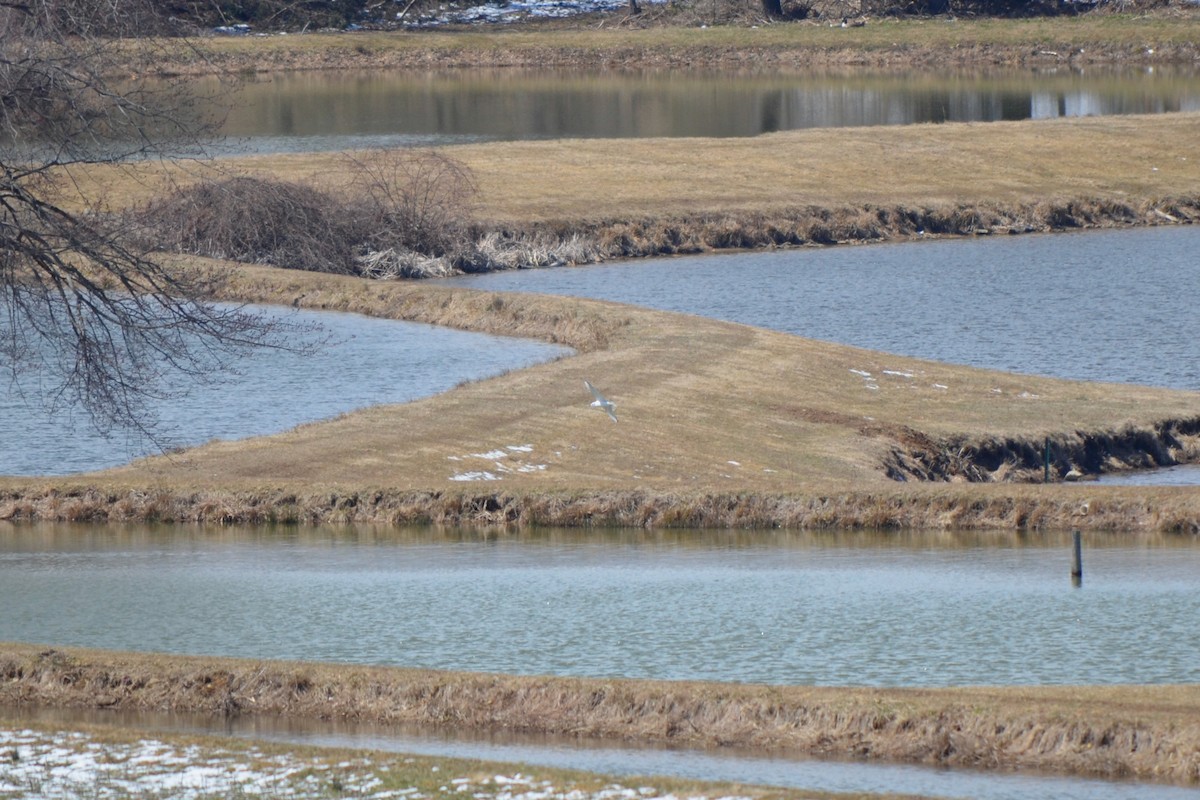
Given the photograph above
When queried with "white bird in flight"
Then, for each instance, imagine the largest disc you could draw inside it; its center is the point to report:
(601, 402)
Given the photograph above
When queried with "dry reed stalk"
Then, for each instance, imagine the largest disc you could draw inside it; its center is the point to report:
(1147, 732)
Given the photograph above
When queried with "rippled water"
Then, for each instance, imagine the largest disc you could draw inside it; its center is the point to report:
(901, 610)
(365, 362)
(1098, 305)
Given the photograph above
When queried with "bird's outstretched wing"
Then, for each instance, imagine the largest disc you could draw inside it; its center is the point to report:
(601, 402)
(595, 392)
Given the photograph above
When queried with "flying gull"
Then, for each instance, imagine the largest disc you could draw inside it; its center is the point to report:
(601, 402)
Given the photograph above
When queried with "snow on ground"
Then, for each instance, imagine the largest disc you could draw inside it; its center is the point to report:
(36, 765)
(62, 766)
(510, 11)
(504, 459)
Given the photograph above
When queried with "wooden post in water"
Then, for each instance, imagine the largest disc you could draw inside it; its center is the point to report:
(1077, 560)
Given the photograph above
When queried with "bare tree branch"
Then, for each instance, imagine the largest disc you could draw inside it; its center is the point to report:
(89, 317)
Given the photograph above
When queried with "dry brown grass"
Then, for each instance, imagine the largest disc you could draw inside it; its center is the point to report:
(693, 395)
(977, 170)
(1143, 731)
(888, 43)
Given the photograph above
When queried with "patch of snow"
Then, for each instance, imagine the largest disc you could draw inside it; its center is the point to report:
(733, 463)
(499, 467)
(482, 475)
(861, 372)
(897, 373)
(499, 13)
(940, 386)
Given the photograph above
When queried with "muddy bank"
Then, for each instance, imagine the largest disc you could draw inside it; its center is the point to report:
(1063, 457)
(1148, 732)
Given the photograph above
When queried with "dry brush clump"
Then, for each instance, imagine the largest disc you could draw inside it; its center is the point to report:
(401, 213)
(256, 220)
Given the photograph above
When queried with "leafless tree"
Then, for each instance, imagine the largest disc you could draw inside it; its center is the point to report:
(85, 315)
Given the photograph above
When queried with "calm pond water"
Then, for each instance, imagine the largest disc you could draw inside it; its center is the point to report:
(365, 362)
(1182, 475)
(310, 111)
(829, 609)
(1098, 305)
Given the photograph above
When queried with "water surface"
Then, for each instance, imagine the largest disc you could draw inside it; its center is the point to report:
(1098, 305)
(365, 361)
(825, 609)
(336, 110)
(1182, 475)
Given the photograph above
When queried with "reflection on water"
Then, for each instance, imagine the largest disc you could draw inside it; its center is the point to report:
(366, 362)
(1098, 306)
(776, 608)
(749, 767)
(339, 110)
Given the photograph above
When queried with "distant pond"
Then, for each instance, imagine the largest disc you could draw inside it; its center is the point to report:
(332, 110)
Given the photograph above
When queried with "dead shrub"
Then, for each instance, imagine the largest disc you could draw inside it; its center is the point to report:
(388, 214)
(416, 200)
(259, 220)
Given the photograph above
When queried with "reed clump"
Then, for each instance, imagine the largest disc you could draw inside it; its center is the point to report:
(400, 213)
(1146, 732)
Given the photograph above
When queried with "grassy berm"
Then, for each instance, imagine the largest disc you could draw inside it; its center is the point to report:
(1151, 732)
(720, 425)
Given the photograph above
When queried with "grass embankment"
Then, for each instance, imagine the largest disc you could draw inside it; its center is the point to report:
(647, 196)
(658, 41)
(720, 425)
(1143, 731)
